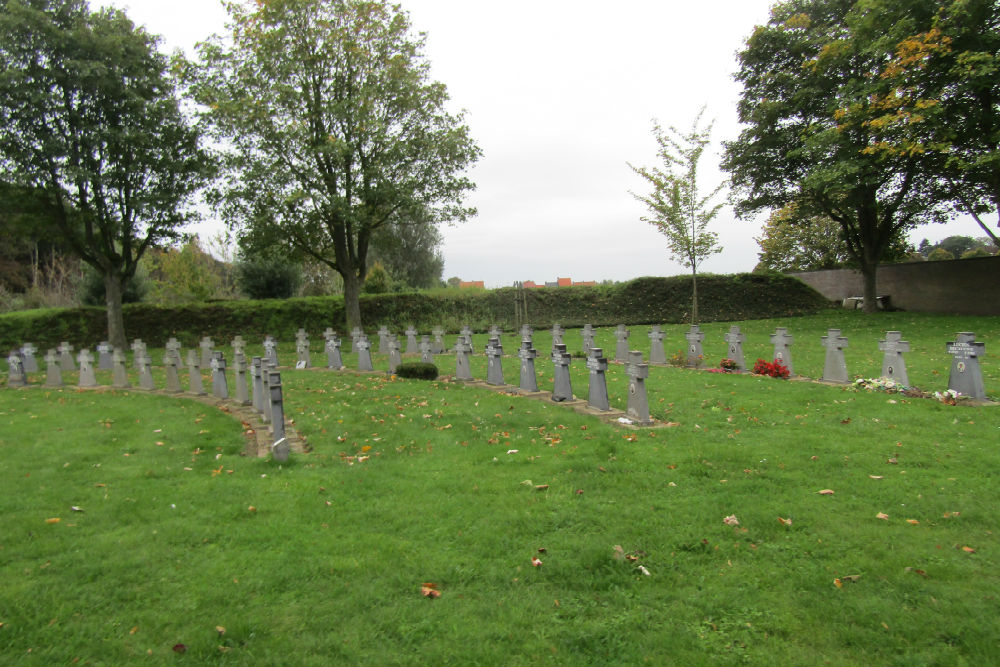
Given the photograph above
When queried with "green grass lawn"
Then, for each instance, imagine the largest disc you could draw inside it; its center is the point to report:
(180, 540)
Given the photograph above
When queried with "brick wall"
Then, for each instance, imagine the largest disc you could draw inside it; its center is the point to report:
(961, 286)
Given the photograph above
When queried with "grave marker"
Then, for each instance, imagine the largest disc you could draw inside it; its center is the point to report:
(562, 389)
(119, 373)
(893, 365)
(411, 341)
(277, 406)
(528, 380)
(734, 341)
(66, 357)
(834, 365)
(87, 377)
(220, 386)
(467, 332)
(557, 334)
(496, 332)
(302, 356)
(53, 369)
(173, 348)
(657, 355)
(597, 396)
(170, 368)
(463, 348)
(494, 369)
(195, 385)
(28, 360)
(138, 349)
(395, 357)
(240, 370)
(426, 356)
(104, 360)
(239, 347)
(207, 348)
(145, 372)
(383, 339)
(621, 343)
(356, 334)
(966, 377)
(638, 403)
(527, 333)
(15, 370)
(364, 354)
(271, 350)
(265, 390)
(782, 341)
(256, 384)
(587, 333)
(437, 346)
(333, 357)
(695, 355)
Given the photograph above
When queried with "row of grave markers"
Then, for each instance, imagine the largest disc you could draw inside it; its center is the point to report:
(965, 377)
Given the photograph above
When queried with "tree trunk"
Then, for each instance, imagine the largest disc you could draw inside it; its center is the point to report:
(113, 289)
(352, 306)
(694, 296)
(869, 270)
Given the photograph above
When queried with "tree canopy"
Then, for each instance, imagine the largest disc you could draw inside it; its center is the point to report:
(89, 117)
(335, 129)
(813, 104)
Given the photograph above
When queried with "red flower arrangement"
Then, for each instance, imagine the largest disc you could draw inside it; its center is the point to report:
(775, 368)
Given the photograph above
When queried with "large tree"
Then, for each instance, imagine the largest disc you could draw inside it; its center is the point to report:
(89, 116)
(335, 129)
(812, 85)
(678, 208)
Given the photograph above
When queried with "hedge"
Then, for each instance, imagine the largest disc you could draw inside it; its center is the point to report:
(640, 301)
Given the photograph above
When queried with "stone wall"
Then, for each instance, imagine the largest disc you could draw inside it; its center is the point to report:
(961, 287)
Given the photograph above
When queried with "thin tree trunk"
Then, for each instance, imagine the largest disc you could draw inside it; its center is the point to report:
(869, 271)
(113, 289)
(352, 305)
(694, 296)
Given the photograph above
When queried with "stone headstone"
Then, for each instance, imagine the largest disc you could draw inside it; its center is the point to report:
(239, 347)
(195, 384)
(494, 367)
(364, 354)
(557, 334)
(170, 369)
(28, 360)
(638, 403)
(119, 372)
(53, 369)
(834, 364)
(621, 343)
(597, 396)
(893, 365)
(463, 349)
(146, 372)
(16, 376)
(562, 389)
(277, 406)
(356, 334)
(467, 332)
(437, 345)
(695, 355)
(265, 391)
(207, 348)
(587, 333)
(383, 339)
(526, 332)
(87, 377)
(66, 357)
(256, 384)
(528, 378)
(104, 361)
(220, 386)
(657, 355)
(173, 350)
(411, 341)
(271, 350)
(966, 377)
(395, 355)
(240, 374)
(734, 347)
(782, 341)
(334, 359)
(496, 332)
(138, 349)
(302, 356)
(426, 356)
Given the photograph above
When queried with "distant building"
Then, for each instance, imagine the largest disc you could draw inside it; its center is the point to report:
(559, 282)
(472, 283)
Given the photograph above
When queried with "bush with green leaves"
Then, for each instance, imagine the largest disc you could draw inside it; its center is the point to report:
(268, 277)
(417, 370)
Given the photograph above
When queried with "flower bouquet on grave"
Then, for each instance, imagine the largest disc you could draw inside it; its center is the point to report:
(728, 365)
(775, 368)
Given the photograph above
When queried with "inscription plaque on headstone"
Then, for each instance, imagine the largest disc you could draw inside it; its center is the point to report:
(734, 347)
(597, 396)
(87, 377)
(695, 355)
(966, 377)
(494, 367)
(528, 379)
(638, 402)
(782, 341)
(893, 365)
(834, 364)
(562, 387)
(53, 369)
(621, 343)
(119, 372)
(657, 355)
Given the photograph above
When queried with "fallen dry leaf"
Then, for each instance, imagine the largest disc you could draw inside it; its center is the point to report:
(838, 583)
(619, 552)
(429, 590)
(54, 519)
(851, 578)
(642, 569)
(875, 477)
(912, 522)
(180, 648)
(882, 515)
(731, 520)
(541, 487)
(784, 522)
(916, 571)
(968, 550)
(825, 492)
(221, 630)
(536, 561)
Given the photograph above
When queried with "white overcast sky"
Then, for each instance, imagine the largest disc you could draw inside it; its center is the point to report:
(560, 95)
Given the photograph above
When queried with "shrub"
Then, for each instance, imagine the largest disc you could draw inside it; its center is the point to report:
(417, 370)
(268, 278)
